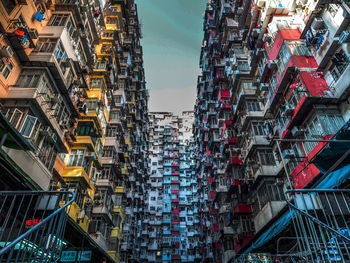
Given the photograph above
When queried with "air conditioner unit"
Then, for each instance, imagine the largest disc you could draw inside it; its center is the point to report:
(48, 131)
(266, 38)
(6, 51)
(288, 154)
(264, 86)
(344, 37)
(317, 24)
(261, 3)
(279, 181)
(272, 64)
(33, 33)
(22, 2)
(297, 131)
(288, 111)
(67, 62)
(54, 137)
(54, 100)
(75, 34)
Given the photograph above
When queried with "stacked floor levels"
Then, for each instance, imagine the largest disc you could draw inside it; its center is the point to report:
(72, 85)
(270, 71)
(173, 221)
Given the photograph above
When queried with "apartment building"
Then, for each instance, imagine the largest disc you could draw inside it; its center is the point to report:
(171, 227)
(74, 110)
(275, 83)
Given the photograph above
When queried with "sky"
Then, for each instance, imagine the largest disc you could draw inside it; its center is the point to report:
(172, 38)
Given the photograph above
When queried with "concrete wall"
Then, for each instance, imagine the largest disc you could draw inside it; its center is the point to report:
(31, 164)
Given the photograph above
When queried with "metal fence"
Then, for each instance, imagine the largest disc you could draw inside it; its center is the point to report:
(321, 221)
(32, 225)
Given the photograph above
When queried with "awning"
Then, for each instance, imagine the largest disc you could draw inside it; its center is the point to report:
(333, 180)
(333, 151)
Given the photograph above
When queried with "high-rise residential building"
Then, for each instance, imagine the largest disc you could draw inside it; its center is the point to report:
(258, 172)
(275, 74)
(74, 115)
(172, 222)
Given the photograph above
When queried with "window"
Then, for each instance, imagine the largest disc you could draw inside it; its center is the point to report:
(39, 7)
(91, 104)
(258, 128)
(333, 9)
(298, 48)
(107, 34)
(101, 64)
(29, 79)
(9, 5)
(16, 117)
(253, 105)
(273, 83)
(313, 131)
(266, 157)
(96, 83)
(61, 56)
(76, 158)
(270, 192)
(115, 115)
(28, 126)
(6, 68)
(80, 54)
(70, 27)
(118, 200)
(321, 125)
(295, 95)
(118, 99)
(112, 20)
(283, 59)
(58, 20)
(331, 122)
(46, 45)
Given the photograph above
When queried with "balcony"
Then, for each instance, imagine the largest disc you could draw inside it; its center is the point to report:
(235, 161)
(116, 233)
(104, 183)
(224, 209)
(72, 172)
(144, 244)
(266, 170)
(175, 211)
(249, 115)
(166, 257)
(118, 209)
(175, 222)
(102, 210)
(242, 209)
(153, 246)
(166, 232)
(166, 221)
(152, 234)
(303, 174)
(120, 190)
(100, 240)
(267, 213)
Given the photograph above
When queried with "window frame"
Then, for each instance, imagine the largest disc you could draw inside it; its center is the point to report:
(3, 67)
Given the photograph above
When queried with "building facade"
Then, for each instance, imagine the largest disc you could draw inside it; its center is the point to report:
(172, 223)
(274, 75)
(72, 84)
